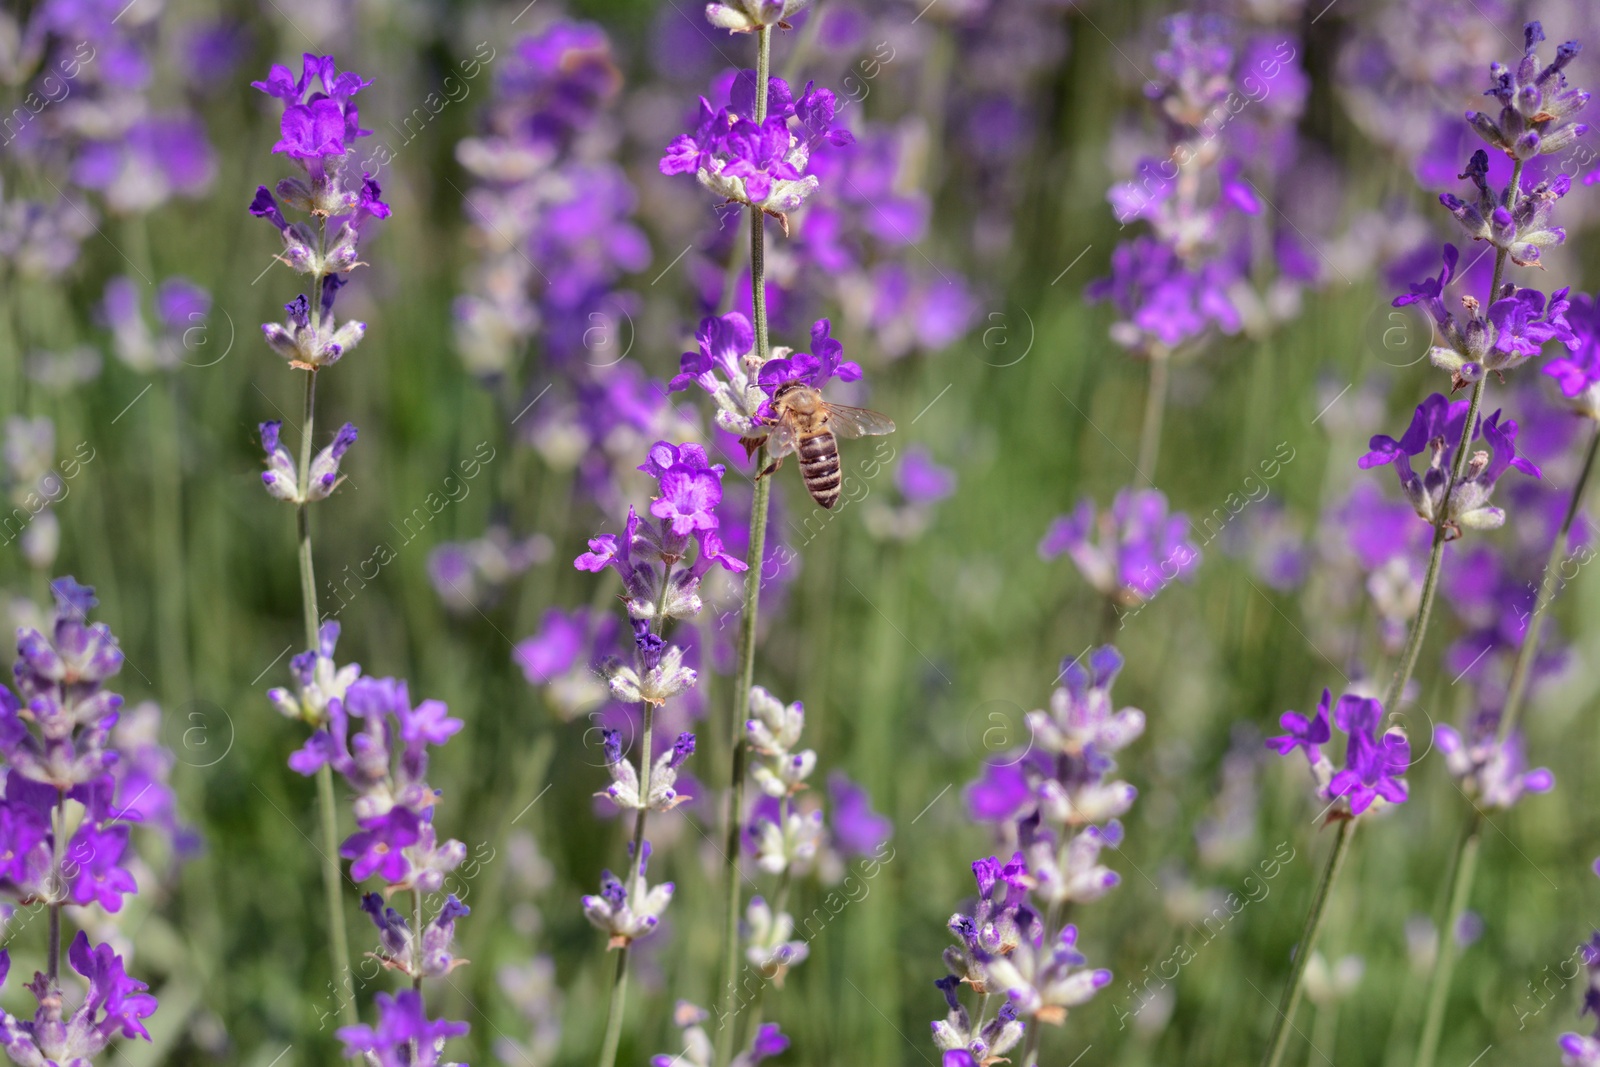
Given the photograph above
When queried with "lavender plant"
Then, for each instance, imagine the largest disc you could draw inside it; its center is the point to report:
(1191, 276)
(756, 151)
(319, 126)
(1057, 805)
(65, 824)
(1454, 494)
(659, 585)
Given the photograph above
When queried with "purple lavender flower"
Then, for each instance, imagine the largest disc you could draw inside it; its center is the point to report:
(1517, 326)
(379, 743)
(404, 1036)
(1494, 771)
(815, 370)
(60, 675)
(154, 159)
(1374, 763)
(726, 344)
(921, 480)
(310, 344)
(762, 165)
(1578, 374)
(1436, 426)
(1163, 303)
(690, 488)
(962, 1043)
(628, 912)
(624, 789)
(474, 574)
(115, 1006)
(1520, 232)
(281, 477)
(857, 829)
(1129, 553)
(568, 657)
(1536, 105)
(181, 312)
(1044, 982)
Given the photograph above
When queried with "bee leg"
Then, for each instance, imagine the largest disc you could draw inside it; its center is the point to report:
(771, 467)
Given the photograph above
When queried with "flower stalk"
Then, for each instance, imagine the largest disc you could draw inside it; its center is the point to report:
(760, 499)
(344, 983)
(1294, 988)
(1464, 865)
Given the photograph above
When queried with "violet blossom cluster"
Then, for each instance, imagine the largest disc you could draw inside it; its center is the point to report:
(1228, 102)
(859, 241)
(729, 369)
(1436, 427)
(1375, 763)
(660, 581)
(368, 732)
(1129, 552)
(1579, 1050)
(767, 164)
(1577, 373)
(552, 214)
(1056, 804)
(317, 132)
(60, 776)
(1512, 331)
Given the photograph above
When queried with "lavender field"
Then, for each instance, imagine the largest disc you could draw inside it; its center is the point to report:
(808, 532)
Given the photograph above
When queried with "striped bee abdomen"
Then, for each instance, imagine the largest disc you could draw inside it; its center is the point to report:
(819, 466)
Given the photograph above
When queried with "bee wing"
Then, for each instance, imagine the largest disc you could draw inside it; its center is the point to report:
(858, 422)
(782, 441)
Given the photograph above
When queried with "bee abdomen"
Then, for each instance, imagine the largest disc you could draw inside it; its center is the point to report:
(819, 466)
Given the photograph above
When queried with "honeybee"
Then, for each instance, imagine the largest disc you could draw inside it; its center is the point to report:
(805, 423)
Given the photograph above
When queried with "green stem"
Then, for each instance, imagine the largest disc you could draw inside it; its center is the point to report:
(747, 622)
(619, 983)
(614, 1012)
(1462, 872)
(1294, 987)
(1396, 688)
(1465, 865)
(344, 979)
(1155, 409)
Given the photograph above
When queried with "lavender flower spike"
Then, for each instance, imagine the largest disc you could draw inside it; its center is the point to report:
(628, 913)
(1130, 552)
(1536, 106)
(115, 1005)
(1374, 763)
(624, 788)
(765, 166)
(1436, 426)
(282, 479)
(404, 1036)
